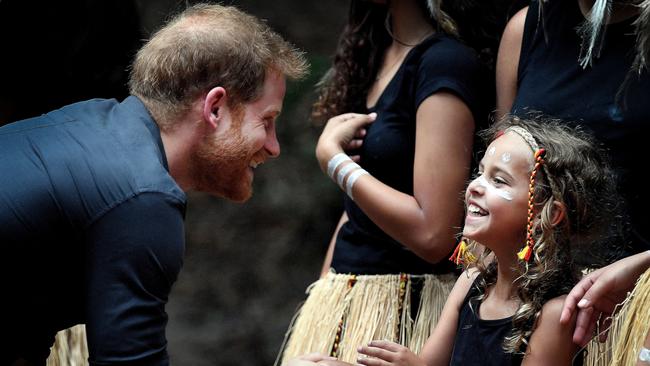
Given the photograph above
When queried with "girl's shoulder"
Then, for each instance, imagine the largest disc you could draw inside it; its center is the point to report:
(463, 286)
(550, 334)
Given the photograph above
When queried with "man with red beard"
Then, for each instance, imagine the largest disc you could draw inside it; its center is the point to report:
(92, 196)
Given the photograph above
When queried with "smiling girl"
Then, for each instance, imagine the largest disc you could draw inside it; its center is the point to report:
(540, 194)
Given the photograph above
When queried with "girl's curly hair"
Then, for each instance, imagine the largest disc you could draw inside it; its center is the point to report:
(577, 175)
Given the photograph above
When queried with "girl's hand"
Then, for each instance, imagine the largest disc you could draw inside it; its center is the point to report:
(343, 132)
(384, 353)
(311, 359)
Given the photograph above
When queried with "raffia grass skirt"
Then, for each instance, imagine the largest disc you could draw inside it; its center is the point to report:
(70, 348)
(629, 329)
(344, 311)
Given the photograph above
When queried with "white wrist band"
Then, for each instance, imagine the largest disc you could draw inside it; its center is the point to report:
(352, 179)
(644, 355)
(345, 171)
(334, 163)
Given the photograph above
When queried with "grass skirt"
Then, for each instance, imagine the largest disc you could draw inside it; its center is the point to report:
(344, 311)
(70, 348)
(629, 329)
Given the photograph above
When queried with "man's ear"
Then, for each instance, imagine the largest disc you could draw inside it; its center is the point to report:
(213, 105)
(558, 214)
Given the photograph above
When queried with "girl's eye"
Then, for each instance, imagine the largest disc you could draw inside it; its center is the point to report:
(498, 180)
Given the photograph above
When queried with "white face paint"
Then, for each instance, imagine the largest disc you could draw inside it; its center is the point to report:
(492, 150)
(506, 157)
(498, 191)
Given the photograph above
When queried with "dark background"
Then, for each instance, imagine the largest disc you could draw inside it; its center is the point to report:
(246, 265)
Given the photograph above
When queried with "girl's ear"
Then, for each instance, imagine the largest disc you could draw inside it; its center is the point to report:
(558, 214)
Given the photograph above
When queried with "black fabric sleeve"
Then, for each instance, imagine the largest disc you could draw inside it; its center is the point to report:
(134, 255)
(453, 67)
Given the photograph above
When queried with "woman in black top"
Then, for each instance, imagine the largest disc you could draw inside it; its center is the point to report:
(404, 98)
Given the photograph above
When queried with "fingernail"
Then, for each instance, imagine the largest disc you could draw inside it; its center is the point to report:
(583, 303)
(373, 115)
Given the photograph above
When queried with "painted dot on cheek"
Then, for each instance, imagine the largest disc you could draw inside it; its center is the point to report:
(492, 150)
(506, 157)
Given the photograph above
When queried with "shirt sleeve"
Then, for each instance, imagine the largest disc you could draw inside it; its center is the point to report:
(448, 65)
(134, 254)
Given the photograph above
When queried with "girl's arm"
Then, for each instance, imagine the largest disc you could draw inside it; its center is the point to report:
(327, 263)
(437, 350)
(427, 221)
(551, 341)
(508, 62)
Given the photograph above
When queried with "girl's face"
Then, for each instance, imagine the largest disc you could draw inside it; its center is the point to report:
(497, 200)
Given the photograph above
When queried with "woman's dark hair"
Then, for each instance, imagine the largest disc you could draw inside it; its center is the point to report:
(364, 39)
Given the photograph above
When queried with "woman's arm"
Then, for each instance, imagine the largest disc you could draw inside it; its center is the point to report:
(550, 343)
(508, 62)
(427, 221)
(327, 263)
(597, 294)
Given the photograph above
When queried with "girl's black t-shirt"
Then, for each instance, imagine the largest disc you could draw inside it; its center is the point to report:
(439, 63)
(479, 342)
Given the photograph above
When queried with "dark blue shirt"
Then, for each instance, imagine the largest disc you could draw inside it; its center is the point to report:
(91, 226)
(551, 81)
(439, 63)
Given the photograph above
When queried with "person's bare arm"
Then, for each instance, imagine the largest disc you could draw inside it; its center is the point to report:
(508, 62)
(550, 343)
(438, 348)
(597, 294)
(427, 221)
(327, 263)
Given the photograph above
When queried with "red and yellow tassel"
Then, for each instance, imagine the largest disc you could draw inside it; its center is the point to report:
(462, 255)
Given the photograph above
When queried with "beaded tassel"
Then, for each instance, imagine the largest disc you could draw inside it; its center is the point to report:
(525, 253)
(462, 255)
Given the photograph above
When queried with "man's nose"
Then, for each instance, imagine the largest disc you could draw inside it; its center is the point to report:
(271, 145)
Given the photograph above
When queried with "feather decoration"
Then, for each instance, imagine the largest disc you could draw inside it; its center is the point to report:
(592, 31)
(443, 19)
(642, 25)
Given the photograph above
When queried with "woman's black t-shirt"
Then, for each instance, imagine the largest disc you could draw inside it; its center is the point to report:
(438, 63)
(551, 81)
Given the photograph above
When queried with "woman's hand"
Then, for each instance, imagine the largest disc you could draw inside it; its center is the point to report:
(595, 297)
(384, 353)
(343, 132)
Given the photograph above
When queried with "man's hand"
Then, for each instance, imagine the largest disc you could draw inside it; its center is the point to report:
(597, 294)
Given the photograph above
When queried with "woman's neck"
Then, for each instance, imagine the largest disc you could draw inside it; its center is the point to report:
(620, 10)
(409, 25)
